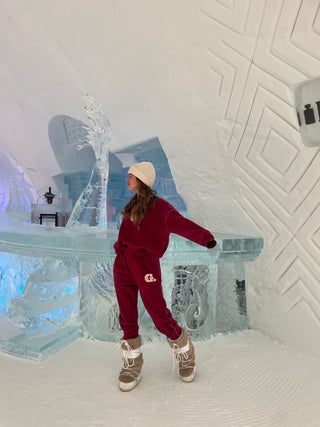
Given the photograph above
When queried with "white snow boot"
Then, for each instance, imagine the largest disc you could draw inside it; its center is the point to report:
(183, 352)
(132, 362)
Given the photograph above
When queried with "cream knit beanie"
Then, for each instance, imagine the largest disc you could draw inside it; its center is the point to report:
(144, 171)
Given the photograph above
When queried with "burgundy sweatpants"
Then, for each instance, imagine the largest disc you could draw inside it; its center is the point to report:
(138, 271)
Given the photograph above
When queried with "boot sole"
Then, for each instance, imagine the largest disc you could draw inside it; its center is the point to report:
(191, 377)
(129, 386)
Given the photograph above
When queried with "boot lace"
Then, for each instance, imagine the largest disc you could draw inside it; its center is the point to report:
(180, 357)
(128, 355)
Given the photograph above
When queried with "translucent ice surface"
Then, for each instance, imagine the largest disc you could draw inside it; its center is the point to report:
(70, 286)
(14, 272)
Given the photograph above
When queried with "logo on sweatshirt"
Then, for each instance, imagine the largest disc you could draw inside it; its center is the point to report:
(149, 278)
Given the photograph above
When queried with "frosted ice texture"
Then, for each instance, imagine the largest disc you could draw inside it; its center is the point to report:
(14, 273)
(99, 306)
(50, 298)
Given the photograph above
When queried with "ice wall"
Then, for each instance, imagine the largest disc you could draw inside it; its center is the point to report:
(214, 80)
(16, 191)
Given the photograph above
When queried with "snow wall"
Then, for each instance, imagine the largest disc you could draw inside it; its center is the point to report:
(214, 81)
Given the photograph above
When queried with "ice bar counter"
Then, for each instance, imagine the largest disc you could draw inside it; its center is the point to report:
(57, 286)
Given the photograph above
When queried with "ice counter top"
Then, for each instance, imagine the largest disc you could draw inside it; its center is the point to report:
(93, 244)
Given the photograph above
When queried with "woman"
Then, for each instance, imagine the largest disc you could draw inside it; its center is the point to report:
(143, 238)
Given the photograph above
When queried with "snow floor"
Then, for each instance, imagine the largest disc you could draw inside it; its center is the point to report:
(244, 379)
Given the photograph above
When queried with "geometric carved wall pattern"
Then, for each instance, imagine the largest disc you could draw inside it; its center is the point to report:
(260, 50)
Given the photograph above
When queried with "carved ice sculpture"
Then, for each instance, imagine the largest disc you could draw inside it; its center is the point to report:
(91, 207)
(190, 299)
(99, 306)
(51, 296)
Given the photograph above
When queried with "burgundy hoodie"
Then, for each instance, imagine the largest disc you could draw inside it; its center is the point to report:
(160, 220)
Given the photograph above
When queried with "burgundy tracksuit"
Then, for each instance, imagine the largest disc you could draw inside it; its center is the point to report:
(137, 265)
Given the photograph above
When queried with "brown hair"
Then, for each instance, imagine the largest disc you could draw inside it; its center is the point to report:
(137, 207)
